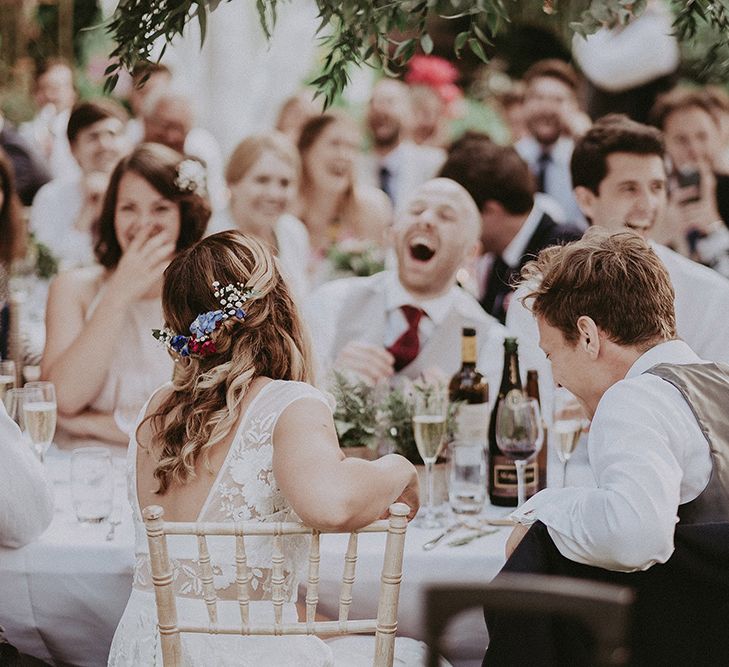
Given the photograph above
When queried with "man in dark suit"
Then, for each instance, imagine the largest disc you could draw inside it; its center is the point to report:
(513, 228)
(30, 172)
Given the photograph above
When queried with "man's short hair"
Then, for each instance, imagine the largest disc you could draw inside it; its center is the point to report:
(614, 133)
(616, 279)
(85, 114)
(680, 99)
(553, 68)
(490, 172)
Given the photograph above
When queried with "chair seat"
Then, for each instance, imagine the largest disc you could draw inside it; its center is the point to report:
(358, 651)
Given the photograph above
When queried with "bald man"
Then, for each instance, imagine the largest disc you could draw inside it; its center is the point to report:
(409, 321)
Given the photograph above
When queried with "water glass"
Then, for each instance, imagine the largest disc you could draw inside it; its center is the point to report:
(92, 484)
(466, 477)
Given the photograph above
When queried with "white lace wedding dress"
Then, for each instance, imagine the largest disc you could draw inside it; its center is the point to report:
(244, 490)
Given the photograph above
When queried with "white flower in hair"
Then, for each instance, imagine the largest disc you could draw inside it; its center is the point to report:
(191, 177)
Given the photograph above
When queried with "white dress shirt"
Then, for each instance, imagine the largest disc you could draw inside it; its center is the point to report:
(53, 217)
(648, 455)
(26, 500)
(396, 296)
(557, 176)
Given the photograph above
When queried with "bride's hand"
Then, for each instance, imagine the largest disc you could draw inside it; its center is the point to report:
(410, 496)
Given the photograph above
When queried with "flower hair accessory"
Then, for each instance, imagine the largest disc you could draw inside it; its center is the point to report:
(199, 343)
(191, 177)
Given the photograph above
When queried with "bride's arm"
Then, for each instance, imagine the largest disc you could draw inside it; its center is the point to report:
(326, 489)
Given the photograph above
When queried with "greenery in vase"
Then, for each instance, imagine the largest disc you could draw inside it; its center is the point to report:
(358, 258)
(387, 33)
(355, 415)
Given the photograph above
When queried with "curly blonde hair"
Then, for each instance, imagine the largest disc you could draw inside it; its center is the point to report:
(207, 392)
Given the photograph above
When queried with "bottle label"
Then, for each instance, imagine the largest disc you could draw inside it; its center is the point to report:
(468, 349)
(503, 478)
(472, 423)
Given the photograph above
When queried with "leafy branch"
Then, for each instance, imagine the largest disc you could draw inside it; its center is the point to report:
(387, 33)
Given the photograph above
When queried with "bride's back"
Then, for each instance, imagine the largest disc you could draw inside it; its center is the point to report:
(184, 502)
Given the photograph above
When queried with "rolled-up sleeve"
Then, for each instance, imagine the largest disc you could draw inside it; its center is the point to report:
(26, 499)
(628, 522)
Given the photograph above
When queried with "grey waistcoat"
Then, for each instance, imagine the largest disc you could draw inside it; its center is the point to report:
(705, 388)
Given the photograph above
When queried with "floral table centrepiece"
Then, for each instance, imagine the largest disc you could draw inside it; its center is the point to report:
(355, 257)
(355, 416)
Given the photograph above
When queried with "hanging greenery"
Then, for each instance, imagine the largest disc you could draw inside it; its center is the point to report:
(387, 33)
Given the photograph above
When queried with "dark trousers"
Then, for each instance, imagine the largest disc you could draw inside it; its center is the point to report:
(680, 615)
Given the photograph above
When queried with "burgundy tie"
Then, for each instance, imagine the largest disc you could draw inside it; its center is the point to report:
(406, 348)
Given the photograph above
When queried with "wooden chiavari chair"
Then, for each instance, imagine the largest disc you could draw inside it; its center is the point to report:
(384, 626)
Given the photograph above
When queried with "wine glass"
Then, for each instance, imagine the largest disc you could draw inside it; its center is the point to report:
(92, 484)
(7, 377)
(40, 415)
(14, 402)
(519, 433)
(429, 427)
(567, 426)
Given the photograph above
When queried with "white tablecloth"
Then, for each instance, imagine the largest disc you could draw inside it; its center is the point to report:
(62, 596)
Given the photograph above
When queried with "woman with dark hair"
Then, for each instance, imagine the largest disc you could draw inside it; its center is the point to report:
(12, 227)
(331, 205)
(240, 434)
(98, 351)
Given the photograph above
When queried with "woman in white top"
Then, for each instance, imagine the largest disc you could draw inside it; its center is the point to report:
(98, 350)
(331, 204)
(263, 177)
(238, 435)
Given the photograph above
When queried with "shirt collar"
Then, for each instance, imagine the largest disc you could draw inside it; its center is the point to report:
(672, 352)
(396, 296)
(513, 252)
(393, 159)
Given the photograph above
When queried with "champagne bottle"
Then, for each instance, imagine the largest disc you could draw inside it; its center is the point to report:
(470, 387)
(532, 390)
(502, 471)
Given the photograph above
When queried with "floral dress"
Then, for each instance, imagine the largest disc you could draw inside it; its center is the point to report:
(245, 490)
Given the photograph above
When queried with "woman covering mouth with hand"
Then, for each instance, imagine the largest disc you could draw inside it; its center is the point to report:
(98, 351)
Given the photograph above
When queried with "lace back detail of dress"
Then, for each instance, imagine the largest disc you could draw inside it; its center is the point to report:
(245, 490)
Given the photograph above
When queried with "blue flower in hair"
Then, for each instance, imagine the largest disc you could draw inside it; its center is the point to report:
(179, 344)
(206, 323)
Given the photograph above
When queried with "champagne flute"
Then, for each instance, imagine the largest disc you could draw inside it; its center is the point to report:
(40, 415)
(7, 377)
(519, 433)
(567, 426)
(429, 428)
(14, 402)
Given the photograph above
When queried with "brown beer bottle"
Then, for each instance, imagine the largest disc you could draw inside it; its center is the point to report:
(470, 388)
(532, 390)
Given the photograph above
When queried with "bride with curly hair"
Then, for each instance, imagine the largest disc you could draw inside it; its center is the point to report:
(239, 435)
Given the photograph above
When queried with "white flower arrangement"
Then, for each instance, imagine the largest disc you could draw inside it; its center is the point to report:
(192, 177)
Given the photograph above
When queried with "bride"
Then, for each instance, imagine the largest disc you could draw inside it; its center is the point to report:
(240, 435)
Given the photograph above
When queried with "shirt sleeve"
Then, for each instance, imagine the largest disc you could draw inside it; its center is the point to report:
(628, 522)
(26, 500)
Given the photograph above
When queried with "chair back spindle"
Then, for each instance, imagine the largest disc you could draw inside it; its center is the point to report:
(384, 626)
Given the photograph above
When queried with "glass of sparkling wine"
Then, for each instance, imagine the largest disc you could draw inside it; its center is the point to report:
(429, 427)
(567, 425)
(519, 433)
(92, 484)
(7, 377)
(40, 415)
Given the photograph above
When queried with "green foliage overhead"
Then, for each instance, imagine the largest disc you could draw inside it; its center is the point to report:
(387, 33)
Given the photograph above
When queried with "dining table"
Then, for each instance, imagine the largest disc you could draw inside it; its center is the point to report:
(62, 595)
